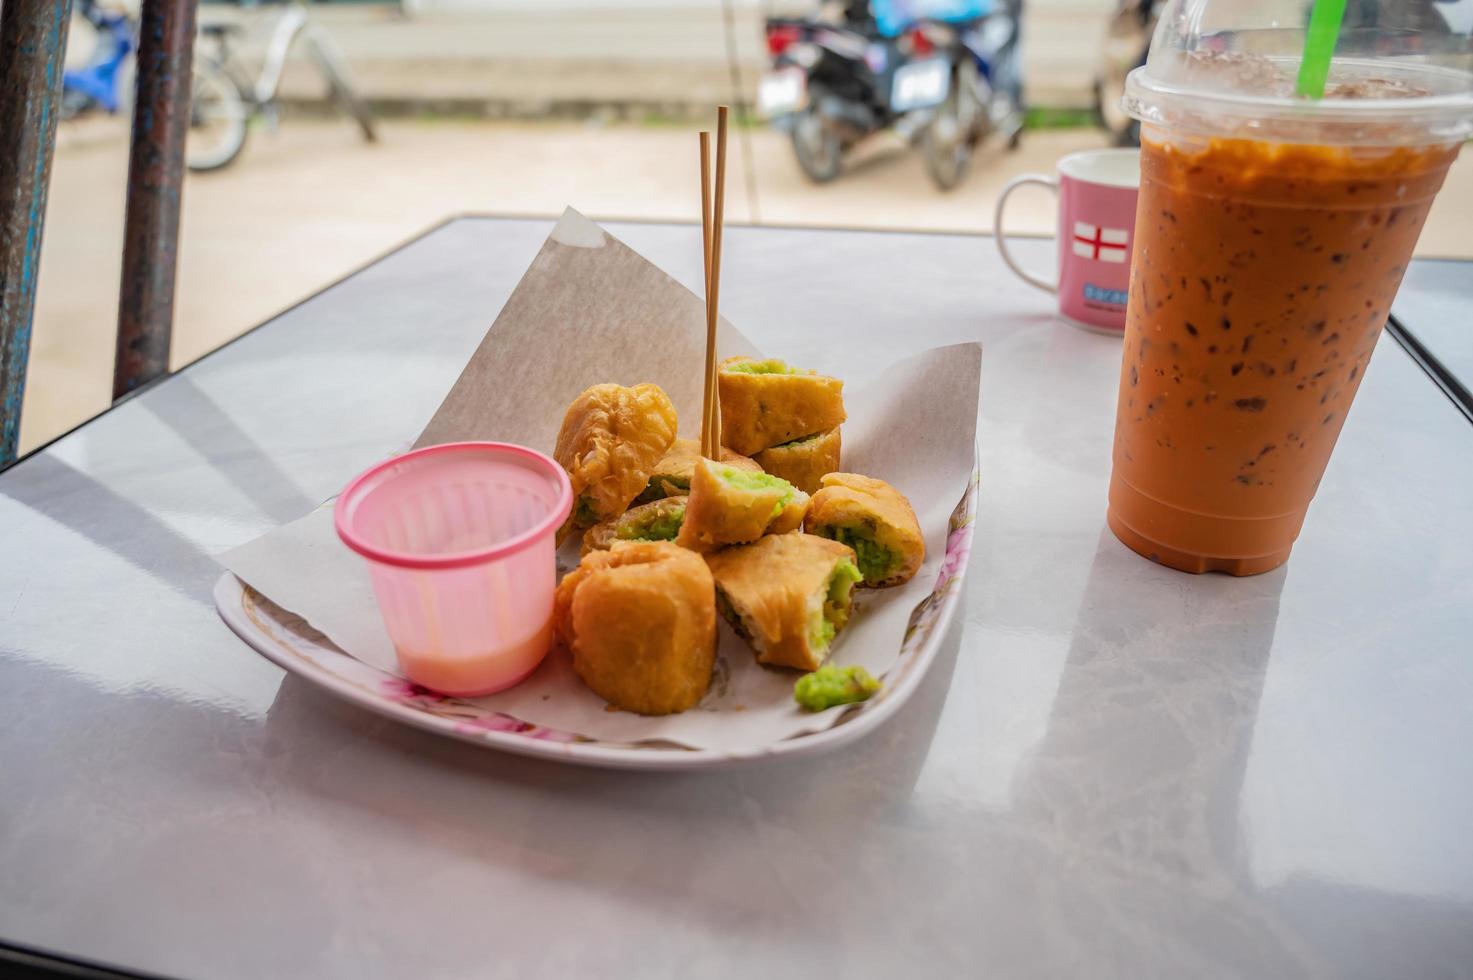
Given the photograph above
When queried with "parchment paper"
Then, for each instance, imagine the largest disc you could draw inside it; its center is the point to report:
(590, 309)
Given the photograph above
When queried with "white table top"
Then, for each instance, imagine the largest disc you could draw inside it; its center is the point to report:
(1113, 769)
(1433, 306)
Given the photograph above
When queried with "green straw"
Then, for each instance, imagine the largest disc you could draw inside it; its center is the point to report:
(1319, 47)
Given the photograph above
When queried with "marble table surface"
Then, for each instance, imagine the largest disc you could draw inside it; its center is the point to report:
(1113, 769)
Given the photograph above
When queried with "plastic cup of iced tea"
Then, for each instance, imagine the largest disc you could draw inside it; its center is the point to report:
(1272, 233)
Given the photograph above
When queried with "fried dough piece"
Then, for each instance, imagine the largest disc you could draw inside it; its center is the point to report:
(671, 475)
(788, 595)
(875, 520)
(731, 506)
(610, 440)
(768, 403)
(640, 620)
(803, 462)
(658, 520)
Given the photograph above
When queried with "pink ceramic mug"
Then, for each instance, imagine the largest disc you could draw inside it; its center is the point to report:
(1097, 194)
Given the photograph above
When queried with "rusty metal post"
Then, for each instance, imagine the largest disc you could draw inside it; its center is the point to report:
(32, 51)
(155, 189)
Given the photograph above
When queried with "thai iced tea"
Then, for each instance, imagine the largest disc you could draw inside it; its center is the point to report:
(1263, 273)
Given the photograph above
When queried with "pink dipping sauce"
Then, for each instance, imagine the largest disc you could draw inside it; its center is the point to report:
(460, 543)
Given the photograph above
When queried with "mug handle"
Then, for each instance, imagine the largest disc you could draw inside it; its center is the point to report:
(1002, 241)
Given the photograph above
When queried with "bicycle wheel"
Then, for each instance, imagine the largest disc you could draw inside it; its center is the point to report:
(217, 120)
(330, 62)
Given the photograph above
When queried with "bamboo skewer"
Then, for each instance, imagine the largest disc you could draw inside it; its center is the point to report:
(708, 392)
(713, 312)
(711, 224)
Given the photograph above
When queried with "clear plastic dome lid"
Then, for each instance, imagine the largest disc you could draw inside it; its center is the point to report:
(1402, 72)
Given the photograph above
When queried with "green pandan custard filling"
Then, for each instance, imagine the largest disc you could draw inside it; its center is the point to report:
(747, 480)
(830, 616)
(770, 366)
(876, 562)
(841, 584)
(830, 686)
(663, 524)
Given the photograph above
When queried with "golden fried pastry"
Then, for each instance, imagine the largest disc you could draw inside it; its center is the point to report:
(803, 462)
(640, 620)
(671, 475)
(875, 520)
(611, 439)
(787, 595)
(768, 403)
(658, 520)
(731, 506)
(790, 518)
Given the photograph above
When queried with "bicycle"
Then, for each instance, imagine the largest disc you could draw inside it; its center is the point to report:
(98, 84)
(225, 98)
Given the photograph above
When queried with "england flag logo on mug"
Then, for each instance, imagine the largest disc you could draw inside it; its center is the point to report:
(1097, 198)
(1100, 244)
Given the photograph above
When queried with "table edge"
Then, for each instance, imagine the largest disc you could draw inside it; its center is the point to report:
(1419, 354)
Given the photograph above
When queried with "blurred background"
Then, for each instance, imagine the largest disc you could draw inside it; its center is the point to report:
(522, 107)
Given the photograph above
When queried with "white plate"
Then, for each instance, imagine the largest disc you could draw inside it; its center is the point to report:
(288, 641)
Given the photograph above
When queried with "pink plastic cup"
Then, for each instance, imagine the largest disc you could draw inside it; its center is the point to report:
(460, 546)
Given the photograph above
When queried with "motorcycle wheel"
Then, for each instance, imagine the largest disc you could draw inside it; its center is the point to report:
(819, 152)
(945, 145)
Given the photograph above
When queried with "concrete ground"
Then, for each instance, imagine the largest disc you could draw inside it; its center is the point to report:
(308, 203)
(531, 57)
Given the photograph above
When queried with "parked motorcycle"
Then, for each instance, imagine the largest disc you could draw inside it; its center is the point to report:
(985, 97)
(945, 86)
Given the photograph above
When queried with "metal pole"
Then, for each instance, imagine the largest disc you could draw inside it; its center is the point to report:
(32, 51)
(155, 188)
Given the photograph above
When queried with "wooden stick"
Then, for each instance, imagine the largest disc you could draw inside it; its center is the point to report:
(714, 290)
(709, 389)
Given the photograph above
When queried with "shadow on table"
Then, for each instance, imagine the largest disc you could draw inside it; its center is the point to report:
(227, 448)
(679, 838)
(1157, 703)
(87, 506)
(1139, 775)
(128, 528)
